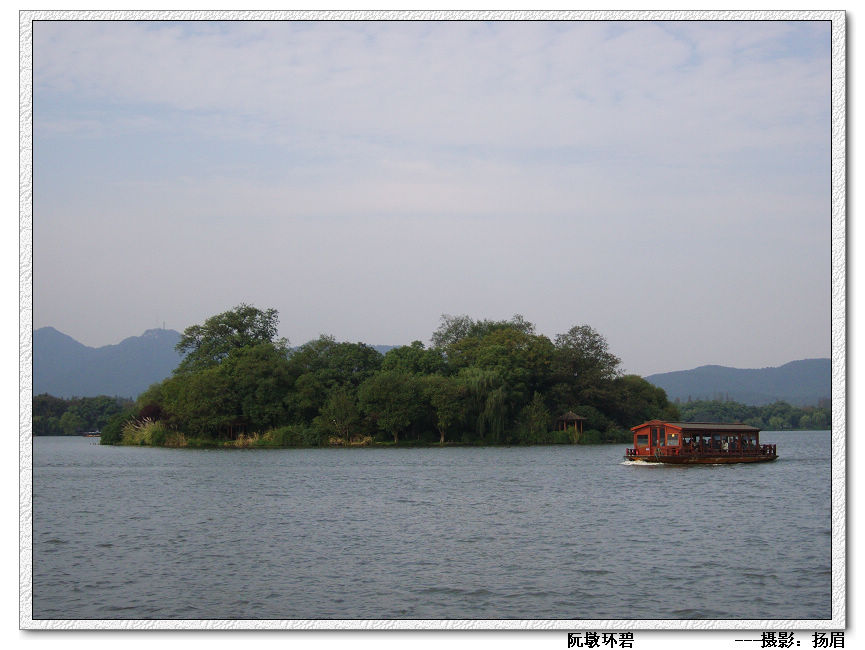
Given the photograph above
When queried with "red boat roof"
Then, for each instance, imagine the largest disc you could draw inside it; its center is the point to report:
(737, 427)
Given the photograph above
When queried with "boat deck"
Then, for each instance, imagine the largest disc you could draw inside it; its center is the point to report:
(701, 455)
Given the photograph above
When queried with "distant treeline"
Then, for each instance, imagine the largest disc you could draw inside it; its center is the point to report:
(480, 382)
(772, 417)
(54, 416)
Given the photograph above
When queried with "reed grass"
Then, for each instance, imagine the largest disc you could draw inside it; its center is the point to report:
(144, 432)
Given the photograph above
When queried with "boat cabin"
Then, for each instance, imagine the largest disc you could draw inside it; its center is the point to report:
(661, 441)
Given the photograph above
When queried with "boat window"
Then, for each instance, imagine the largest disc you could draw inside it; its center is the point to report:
(673, 439)
(643, 440)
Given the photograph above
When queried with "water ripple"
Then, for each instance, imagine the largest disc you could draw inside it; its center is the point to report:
(544, 532)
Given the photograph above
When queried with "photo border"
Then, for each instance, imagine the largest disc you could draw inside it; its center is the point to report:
(838, 320)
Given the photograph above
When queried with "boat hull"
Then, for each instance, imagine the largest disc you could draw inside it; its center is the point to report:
(701, 460)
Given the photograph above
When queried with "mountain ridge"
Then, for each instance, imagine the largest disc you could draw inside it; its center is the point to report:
(803, 382)
(64, 367)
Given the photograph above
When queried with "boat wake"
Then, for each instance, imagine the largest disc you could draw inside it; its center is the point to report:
(641, 463)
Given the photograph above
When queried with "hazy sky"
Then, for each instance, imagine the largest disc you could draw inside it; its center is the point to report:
(667, 183)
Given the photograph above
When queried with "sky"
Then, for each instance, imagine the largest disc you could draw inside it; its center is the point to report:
(667, 183)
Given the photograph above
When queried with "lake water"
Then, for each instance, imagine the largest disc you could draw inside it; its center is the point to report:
(559, 532)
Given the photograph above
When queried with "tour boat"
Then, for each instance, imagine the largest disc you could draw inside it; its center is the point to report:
(708, 443)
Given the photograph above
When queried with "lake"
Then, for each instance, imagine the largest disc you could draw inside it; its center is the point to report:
(554, 532)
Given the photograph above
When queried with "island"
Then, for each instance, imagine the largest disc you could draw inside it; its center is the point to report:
(480, 382)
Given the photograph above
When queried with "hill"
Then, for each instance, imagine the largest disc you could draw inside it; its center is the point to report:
(800, 383)
(63, 367)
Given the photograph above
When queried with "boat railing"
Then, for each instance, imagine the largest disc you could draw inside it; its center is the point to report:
(709, 450)
(768, 450)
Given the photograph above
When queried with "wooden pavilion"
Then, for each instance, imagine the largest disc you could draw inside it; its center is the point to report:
(571, 421)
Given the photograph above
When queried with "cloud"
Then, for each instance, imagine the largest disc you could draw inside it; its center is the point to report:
(550, 155)
(456, 83)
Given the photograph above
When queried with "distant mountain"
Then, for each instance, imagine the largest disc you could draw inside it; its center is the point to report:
(800, 383)
(63, 367)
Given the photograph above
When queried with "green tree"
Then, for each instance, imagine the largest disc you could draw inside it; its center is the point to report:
(583, 354)
(246, 392)
(322, 365)
(47, 411)
(71, 423)
(517, 359)
(536, 418)
(339, 414)
(596, 420)
(583, 370)
(306, 398)
(82, 413)
(446, 396)
(415, 359)
(821, 418)
(779, 415)
(334, 363)
(46, 405)
(203, 404)
(208, 344)
(636, 400)
(46, 426)
(391, 398)
(96, 411)
(454, 328)
(112, 432)
(258, 377)
(451, 330)
(485, 399)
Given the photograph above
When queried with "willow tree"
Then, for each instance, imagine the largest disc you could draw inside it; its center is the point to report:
(485, 399)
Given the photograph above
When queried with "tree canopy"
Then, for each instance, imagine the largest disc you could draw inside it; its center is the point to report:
(54, 416)
(211, 342)
(481, 382)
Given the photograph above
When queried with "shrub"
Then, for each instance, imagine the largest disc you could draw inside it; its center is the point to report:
(595, 420)
(293, 435)
(200, 443)
(144, 432)
(244, 440)
(112, 432)
(176, 439)
(591, 437)
(623, 436)
(151, 411)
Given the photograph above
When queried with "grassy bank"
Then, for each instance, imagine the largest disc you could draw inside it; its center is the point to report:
(152, 433)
